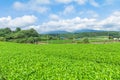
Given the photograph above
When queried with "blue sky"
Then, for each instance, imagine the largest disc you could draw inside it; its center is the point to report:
(68, 15)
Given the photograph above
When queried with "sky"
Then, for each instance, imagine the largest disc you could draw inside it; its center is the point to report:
(60, 15)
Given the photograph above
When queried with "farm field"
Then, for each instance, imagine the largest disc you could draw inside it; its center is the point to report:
(59, 61)
(99, 39)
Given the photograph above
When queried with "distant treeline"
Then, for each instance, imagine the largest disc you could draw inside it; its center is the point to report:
(110, 34)
(32, 36)
(20, 36)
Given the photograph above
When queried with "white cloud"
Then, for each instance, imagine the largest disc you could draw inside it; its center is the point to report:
(54, 17)
(81, 2)
(112, 22)
(21, 22)
(64, 1)
(69, 1)
(4, 21)
(68, 25)
(77, 23)
(88, 14)
(109, 2)
(68, 10)
(40, 9)
(42, 6)
(33, 5)
(94, 3)
(39, 1)
(56, 23)
(18, 5)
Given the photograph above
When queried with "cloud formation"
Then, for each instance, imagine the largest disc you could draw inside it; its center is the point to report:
(88, 14)
(56, 23)
(94, 3)
(66, 25)
(64, 1)
(32, 5)
(80, 2)
(77, 23)
(21, 22)
(54, 17)
(41, 6)
(69, 9)
(112, 22)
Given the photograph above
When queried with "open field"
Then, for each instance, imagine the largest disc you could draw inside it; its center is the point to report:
(97, 39)
(59, 61)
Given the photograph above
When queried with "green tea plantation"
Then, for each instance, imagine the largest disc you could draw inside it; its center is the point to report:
(59, 61)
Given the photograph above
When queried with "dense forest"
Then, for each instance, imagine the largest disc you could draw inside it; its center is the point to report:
(18, 35)
(32, 36)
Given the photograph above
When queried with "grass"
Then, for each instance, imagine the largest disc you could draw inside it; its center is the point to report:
(59, 61)
(91, 40)
(57, 41)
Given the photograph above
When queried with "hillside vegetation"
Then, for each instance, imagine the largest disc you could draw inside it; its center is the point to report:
(59, 61)
(32, 36)
(19, 36)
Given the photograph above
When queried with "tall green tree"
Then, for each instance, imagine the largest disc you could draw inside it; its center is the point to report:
(18, 29)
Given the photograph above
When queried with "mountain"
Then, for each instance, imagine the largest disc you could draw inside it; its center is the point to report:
(86, 30)
(65, 32)
(56, 32)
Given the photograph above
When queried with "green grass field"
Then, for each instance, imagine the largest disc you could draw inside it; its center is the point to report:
(59, 61)
(80, 40)
(57, 41)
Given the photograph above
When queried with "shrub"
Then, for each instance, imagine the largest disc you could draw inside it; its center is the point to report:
(85, 40)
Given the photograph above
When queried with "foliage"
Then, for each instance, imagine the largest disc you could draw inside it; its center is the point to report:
(4, 32)
(20, 36)
(59, 62)
(18, 29)
(32, 36)
(70, 36)
(85, 40)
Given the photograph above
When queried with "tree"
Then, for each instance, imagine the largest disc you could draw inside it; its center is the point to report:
(33, 32)
(7, 30)
(19, 35)
(85, 40)
(30, 40)
(18, 29)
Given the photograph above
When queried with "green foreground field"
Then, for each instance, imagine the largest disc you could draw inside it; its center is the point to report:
(59, 61)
